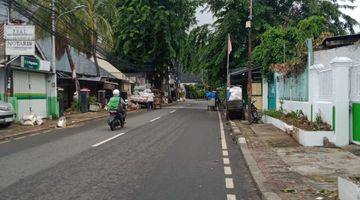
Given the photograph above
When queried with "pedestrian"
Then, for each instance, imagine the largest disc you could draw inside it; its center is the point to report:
(150, 101)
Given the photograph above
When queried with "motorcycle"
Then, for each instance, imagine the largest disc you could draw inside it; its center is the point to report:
(255, 116)
(116, 119)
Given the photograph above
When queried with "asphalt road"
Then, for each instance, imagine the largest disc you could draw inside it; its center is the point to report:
(178, 152)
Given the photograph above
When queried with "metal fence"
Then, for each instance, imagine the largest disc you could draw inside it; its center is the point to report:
(294, 87)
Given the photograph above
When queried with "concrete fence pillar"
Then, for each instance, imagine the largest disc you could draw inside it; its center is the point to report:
(341, 98)
(265, 94)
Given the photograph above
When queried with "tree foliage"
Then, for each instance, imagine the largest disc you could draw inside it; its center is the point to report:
(148, 31)
(275, 23)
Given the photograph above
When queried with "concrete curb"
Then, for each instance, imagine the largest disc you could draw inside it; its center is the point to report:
(256, 173)
(42, 130)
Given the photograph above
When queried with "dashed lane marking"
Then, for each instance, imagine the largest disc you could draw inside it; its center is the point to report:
(231, 197)
(225, 153)
(229, 183)
(155, 119)
(105, 141)
(172, 111)
(226, 161)
(227, 171)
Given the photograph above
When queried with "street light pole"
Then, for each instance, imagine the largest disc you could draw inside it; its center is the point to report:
(54, 21)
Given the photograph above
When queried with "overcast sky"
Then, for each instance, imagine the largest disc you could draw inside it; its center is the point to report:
(206, 17)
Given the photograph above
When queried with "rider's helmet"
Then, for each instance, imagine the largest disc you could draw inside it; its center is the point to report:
(116, 93)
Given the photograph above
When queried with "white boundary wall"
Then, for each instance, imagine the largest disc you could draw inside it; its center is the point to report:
(333, 84)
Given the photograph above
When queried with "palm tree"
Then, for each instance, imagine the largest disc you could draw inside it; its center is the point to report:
(62, 46)
(100, 33)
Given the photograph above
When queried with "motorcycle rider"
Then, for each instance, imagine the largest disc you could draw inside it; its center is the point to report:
(118, 104)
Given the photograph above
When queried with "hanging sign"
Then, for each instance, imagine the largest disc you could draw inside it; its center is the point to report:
(20, 40)
(35, 63)
(19, 47)
(19, 32)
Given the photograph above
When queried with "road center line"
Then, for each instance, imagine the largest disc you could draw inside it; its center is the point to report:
(105, 141)
(226, 161)
(155, 119)
(172, 111)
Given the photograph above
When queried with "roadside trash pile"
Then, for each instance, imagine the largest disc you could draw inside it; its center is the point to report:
(31, 120)
(235, 93)
(62, 122)
(132, 106)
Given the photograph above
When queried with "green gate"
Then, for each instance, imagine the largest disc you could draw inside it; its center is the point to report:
(356, 122)
(272, 94)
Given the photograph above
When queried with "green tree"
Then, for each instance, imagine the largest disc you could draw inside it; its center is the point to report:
(97, 28)
(279, 22)
(152, 32)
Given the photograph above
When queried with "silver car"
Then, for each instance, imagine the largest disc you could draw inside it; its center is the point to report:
(6, 113)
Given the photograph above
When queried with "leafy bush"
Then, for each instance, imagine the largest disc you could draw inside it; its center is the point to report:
(93, 100)
(274, 113)
(196, 92)
(75, 106)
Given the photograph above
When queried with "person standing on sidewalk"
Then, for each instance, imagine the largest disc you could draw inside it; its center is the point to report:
(150, 101)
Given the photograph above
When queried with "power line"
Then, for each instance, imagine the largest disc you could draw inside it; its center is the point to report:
(70, 25)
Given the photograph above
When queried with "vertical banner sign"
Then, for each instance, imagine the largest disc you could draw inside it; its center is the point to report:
(20, 40)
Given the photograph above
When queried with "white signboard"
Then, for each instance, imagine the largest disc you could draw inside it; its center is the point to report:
(19, 32)
(45, 65)
(15, 48)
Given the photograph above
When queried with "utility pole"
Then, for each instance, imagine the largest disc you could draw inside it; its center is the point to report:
(248, 25)
(228, 84)
(53, 81)
(6, 69)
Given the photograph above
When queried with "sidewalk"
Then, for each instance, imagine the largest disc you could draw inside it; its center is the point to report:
(286, 170)
(72, 119)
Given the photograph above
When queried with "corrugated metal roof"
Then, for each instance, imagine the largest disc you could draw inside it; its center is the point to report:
(111, 69)
(83, 65)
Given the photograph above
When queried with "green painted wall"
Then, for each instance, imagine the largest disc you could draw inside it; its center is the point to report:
(15, 104)
(53, 107)
(24, 96)
(294, 87)
(356, 121)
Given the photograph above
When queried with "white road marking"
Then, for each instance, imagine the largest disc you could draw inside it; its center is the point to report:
(172, 111)
(227, 170)
(222, 133)
(241, 140)
(5, 142)
(19, 138)
(225, 153)
(35, 134)
(229, 183)
(231, 197)
(155, 119)
(105, 141)
(223, 144)
(226, 161)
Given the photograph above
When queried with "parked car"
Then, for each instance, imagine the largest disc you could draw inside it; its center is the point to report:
(6, 113)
